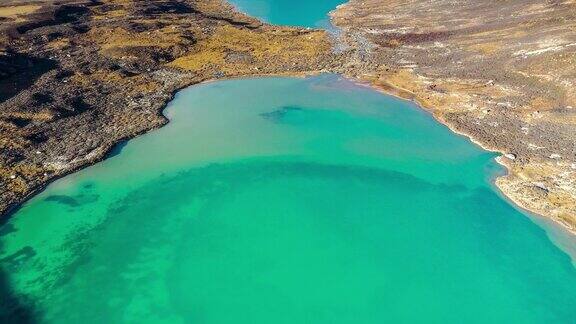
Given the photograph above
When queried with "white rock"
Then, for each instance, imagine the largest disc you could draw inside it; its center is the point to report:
(540, 185)
(12, 177)
(555, 156)
(511, 156)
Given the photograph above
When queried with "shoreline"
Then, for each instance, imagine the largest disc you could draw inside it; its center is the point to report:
(494, 180)
(570, 230)
(101, 153)
(401, 57)
(105, 86)
(106, 152)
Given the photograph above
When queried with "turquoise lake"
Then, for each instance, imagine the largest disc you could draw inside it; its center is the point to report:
(303, 13)
(284, 200)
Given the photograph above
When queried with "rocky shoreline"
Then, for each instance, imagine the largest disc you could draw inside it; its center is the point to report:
(501, 74)
(102, 72)
(81, 76)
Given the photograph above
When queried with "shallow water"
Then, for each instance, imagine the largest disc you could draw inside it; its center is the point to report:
(284, 200)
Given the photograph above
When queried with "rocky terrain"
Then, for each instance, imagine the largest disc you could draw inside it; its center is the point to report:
(501, 72)
(77, 77)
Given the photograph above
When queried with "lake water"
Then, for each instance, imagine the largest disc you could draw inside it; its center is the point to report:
(305, 13)
(284, 200)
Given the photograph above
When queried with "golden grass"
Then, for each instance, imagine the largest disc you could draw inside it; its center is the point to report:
(282, 46)
(38, 116)
(112, 14)
(540, 104)
(59, 44)
(486, 48)
(111, 38)
(15, 11)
